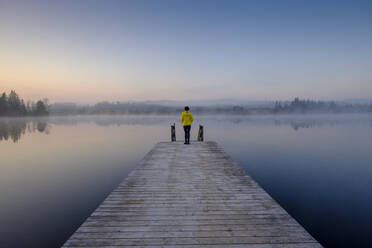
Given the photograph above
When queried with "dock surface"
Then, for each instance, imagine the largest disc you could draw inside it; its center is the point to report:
(190, 196)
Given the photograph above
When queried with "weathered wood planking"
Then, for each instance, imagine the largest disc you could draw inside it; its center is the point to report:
(190, 196)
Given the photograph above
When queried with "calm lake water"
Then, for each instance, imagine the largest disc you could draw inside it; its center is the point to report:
(55, 171)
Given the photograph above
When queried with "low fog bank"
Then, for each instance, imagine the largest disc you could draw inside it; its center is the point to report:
(297, 106)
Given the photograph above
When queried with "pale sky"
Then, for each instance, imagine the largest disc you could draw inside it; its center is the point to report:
(89, 51)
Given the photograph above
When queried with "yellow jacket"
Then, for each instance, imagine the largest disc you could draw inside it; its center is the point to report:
(186, 118)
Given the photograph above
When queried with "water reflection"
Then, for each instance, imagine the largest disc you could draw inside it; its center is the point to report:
(298, 125)
(13, 129)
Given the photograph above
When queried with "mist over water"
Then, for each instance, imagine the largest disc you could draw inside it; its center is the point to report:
(55, 171)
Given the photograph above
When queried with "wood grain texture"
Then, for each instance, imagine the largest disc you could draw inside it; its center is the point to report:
(190, 196)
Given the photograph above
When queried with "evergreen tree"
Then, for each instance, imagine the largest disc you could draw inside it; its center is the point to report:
(14, 103)
(3, 104)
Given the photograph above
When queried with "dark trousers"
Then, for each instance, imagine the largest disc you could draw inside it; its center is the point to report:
(187, 133)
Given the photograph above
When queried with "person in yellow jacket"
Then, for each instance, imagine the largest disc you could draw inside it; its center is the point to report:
(187, 119)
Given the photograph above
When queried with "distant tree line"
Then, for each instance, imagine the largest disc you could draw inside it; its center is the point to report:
(145, 108)
(13, 105)
(298, 106)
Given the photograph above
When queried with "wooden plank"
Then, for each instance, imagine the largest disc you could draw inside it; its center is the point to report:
(190, 196)
(293, 245)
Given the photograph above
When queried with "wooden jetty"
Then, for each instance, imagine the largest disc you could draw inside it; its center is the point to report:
(189, 196)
